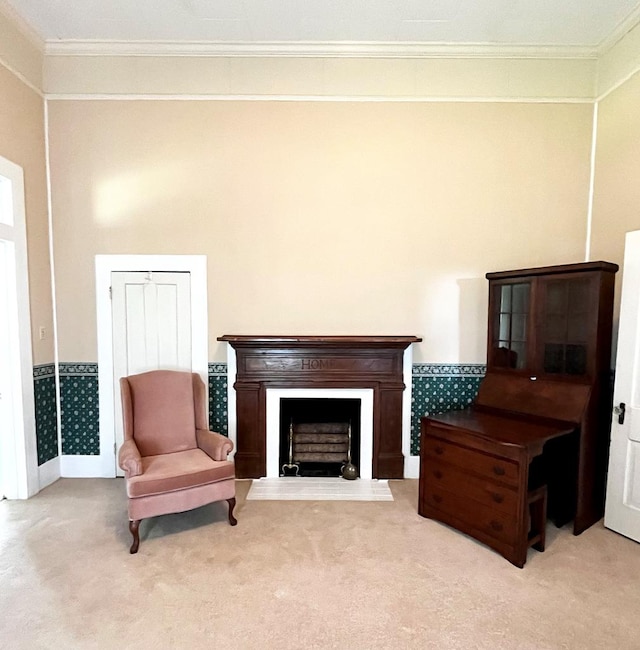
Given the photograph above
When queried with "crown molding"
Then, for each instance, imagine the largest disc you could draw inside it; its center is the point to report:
(301, 49)
(358, 99)
(22, 26)
(623, 28)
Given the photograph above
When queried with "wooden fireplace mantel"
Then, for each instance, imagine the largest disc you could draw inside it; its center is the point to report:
(350, 341)
(264, 362)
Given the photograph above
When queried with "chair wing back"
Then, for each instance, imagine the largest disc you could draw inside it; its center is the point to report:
(158, 410)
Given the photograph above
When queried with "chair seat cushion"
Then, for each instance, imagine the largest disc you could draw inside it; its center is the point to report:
(178, 471)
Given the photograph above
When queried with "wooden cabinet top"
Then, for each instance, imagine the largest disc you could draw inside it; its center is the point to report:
(503, 429)
(579, 267)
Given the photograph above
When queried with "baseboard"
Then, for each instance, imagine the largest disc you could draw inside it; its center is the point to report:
(412, 466)
(49, 472)
(83, 467)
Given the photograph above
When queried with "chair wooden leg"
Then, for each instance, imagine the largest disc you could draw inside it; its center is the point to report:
(232, 504)
(133, 527)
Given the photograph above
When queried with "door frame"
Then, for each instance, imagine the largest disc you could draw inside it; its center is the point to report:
(19, 448)
(618, 515)
(196, 266)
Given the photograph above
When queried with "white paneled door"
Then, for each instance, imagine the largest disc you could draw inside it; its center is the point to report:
(622, 511)
(151, 327)
(19, 475)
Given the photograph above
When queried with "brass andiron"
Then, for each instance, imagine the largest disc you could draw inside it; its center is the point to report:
(349, 470)
(290, 465)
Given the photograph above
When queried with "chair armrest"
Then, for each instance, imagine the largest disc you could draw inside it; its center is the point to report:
(215, 445)
(129, 459)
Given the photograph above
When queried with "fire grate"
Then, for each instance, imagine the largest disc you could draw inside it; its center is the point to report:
(318, 442)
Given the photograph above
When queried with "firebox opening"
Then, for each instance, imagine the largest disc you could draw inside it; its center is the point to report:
(314, 435)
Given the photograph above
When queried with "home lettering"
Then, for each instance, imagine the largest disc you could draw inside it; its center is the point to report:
(316, 364)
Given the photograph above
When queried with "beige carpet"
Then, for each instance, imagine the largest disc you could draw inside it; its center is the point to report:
(298, 574)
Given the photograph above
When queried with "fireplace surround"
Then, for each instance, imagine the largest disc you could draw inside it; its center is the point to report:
(371, 364)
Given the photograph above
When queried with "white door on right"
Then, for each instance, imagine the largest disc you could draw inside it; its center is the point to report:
(622, 509)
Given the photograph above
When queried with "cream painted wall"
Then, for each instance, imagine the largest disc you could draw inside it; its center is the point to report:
(22, 142)
(326, 217)
(616, 208)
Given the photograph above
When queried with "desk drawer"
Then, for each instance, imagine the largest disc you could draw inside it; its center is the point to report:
(471, 460)
(496, 524)
(441, 476)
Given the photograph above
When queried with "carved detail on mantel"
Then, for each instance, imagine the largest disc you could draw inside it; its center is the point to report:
(374, 362)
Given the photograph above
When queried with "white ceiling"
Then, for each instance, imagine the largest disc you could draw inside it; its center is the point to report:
(545, 23)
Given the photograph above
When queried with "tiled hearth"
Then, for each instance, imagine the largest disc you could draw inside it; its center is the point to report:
(319, 489)
(436, 388)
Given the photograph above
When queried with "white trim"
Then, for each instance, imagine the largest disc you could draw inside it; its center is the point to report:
(455, 99)
(84, 466)
(52, 275)
(273, 397)
(316, 49)
(407, 376)
(21, 456)
(196, 265)
(412, 466)
(232, 418)
(592, 172)
(49, 472)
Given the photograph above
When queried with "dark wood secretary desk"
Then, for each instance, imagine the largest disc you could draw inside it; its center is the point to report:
(536, 439)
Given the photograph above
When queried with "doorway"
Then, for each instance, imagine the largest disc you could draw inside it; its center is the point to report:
(111, 362)
(622, 506)
(151, 313)
(18, 452)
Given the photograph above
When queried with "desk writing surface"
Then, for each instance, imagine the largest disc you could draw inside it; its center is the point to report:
(503, 429)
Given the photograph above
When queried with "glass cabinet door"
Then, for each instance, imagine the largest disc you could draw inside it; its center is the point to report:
(566, 326)
(510, 325)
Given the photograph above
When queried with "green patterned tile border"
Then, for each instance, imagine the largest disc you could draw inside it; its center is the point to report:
(218, 409)
(79, 411)
(44, 392)
(437, 388)
(79, 414)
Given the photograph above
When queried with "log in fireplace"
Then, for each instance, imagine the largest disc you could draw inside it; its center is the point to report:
(318, 437)
(277, 362)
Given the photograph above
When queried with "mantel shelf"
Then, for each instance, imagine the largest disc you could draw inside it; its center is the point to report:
(239, 340)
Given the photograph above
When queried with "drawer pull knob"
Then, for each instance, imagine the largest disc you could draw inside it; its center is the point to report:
(495, 525)
(498, 471)
(498, 498)
(439, 450)
(437, 473)
(437, 498)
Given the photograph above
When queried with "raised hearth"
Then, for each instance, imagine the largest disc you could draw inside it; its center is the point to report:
(331, 362)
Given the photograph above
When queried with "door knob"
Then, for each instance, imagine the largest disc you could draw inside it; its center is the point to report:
(620, 411)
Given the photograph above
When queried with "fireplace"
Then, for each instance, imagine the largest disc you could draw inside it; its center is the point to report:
(274, 399)
(318, 436)
(268, 369)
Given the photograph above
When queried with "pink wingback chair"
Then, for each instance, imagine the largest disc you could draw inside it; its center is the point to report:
(171, 461)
